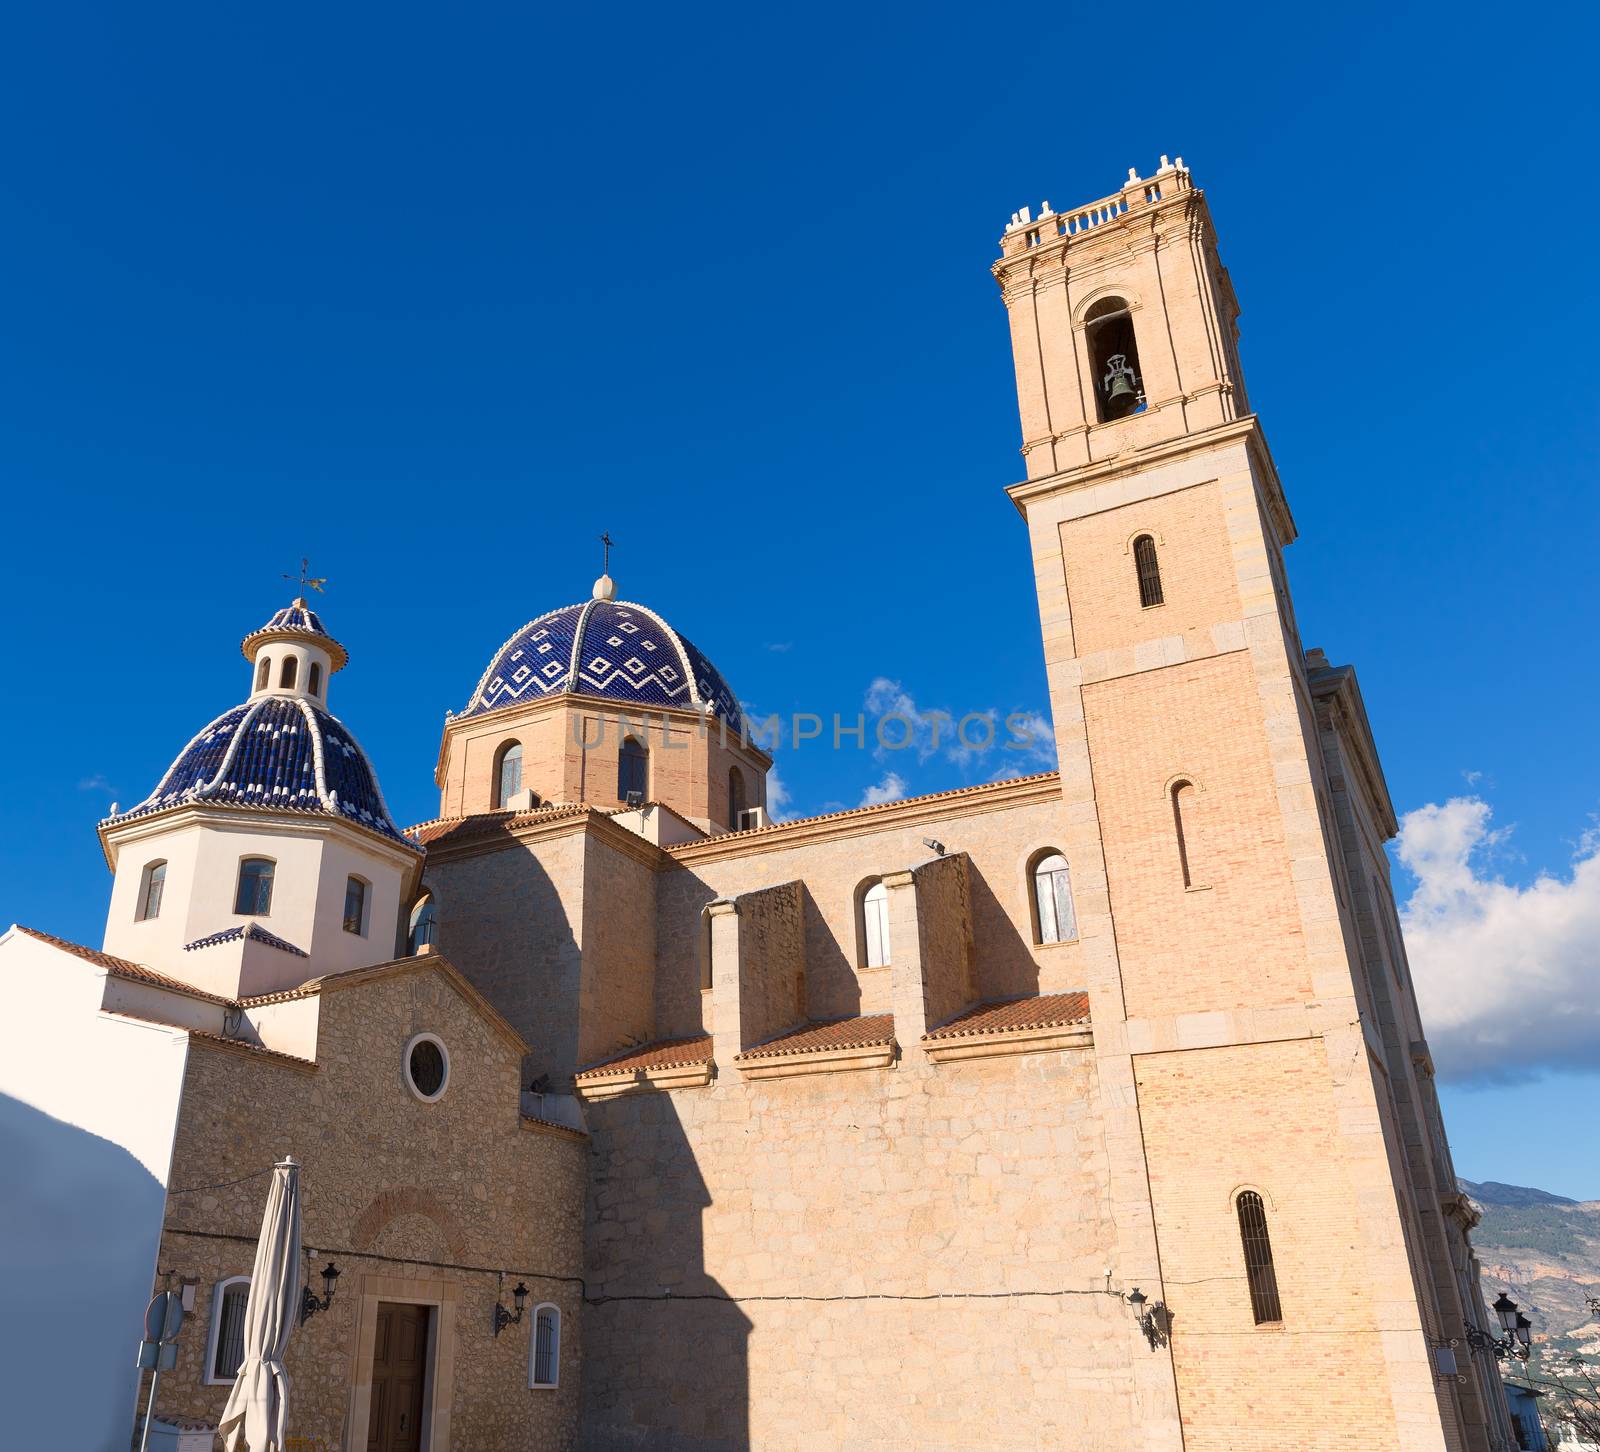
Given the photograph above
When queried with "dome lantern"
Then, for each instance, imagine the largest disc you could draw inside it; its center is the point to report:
(293, 655)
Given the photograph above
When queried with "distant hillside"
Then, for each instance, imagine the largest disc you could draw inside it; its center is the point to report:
(1546, 1249)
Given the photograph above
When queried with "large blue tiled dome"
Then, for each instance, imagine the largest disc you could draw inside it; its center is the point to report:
(610, 648)
(276, 751)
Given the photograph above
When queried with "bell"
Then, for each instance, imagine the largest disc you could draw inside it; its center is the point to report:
(1122, 393)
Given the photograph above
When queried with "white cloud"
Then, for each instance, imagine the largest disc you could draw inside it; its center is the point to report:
(1506, 975)
(890, 789)
(96, 783)
(779, 801)
(1021, 742)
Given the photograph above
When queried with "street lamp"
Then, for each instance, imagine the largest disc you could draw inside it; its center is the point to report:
(310, 1303)
(504, 1318)
(1518, 1329)
(1152, 1319)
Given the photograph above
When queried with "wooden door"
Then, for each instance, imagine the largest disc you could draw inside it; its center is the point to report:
(399, 1370)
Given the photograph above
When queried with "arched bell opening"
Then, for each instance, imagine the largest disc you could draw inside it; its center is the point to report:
(1114, 360)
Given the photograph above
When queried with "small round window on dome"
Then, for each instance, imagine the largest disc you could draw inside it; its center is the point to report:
(427, 1066)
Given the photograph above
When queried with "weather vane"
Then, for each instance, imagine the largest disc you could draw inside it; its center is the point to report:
(607, 541)
(307, 580)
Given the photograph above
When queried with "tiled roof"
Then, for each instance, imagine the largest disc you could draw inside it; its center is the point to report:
(122, 967)
(297, 619)
(254, 932)
(1052, 1010)
(668, 1054)
(870, 1031)
(899, 804)
(609, 648)
(482, 824)
(279, 752)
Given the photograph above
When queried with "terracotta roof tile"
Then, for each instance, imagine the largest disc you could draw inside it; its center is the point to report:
(837, 1033)
(483, 824)
(899, 804)
(122, 967)
(667, 1054)
(1052, 1010)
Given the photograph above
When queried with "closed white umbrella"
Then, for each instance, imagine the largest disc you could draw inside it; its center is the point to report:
(256, 1417)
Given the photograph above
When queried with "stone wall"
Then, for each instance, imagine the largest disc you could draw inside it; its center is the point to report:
(885, 1258)
(411, 1200)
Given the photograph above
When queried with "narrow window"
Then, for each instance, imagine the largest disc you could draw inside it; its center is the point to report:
(633, 771)
(424, 924)
(228, 1301)
(1144, 559)
(735, 798)
(508, 773)
(288, 673)
(255, 887)
(1114, 360)
(1182, 806)
(150, 890)
(1052, 900)
(263, 672)
(1258, 1259)
(544, 1354)
(875, 926)
(705, 951)
(314, 680)
(355, 905)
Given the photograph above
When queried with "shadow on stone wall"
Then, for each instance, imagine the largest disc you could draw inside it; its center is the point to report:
(1002, 952)
(80, 1220)
(666, 1355)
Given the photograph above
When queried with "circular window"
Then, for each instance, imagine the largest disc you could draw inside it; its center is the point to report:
(427, 1067)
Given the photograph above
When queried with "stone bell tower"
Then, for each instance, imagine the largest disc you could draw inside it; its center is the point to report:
(1216, 913)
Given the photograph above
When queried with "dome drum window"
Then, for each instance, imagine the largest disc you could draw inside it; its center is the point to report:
(254, 895)
(355, 905)
(427, 1067)
(152, 884)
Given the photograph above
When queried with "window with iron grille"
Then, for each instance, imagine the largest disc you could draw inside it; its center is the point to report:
(227, 1329)
(255, 887)
(1258, 1268)
(545, 1353)
(155, 882)
(1144, 557)
(508, 775)
(355, 905)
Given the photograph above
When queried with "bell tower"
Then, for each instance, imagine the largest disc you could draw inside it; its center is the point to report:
(1216, 915)
(1124, 325)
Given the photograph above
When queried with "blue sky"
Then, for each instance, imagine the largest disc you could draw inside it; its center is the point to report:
(435, 297)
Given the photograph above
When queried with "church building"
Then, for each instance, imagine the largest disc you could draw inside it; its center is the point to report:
(1083, 1110)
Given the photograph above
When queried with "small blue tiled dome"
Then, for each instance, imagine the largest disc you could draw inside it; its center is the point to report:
(610, 648)
(276, 751)
(295, 622)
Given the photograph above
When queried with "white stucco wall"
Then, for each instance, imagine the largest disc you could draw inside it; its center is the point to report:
(88, 1107)
(314, 857)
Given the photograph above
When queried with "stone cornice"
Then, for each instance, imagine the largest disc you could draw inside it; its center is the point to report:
(1338, 688)
(1247, 429)
(1009, 1041)
(818, 1061)
(890, 816)
(236, 816)
(670, 1076)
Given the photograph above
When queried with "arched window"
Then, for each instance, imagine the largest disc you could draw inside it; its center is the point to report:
(263, 672)
(633, 769)
(288, 673)
(1149, 568)
(314, 679)
(705, 951)
(508, 773)
(1114, 360)
(1052, 900)
(151, 885)
(1258, 1268)
(544, 1347)
(424, 927)
(225, 1344)
(1182, 809)
(355, 905)
(254, 896)
(875, 925)
(735, 797)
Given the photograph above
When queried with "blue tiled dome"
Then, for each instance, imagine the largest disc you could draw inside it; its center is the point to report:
(608, 648)
(276, 751)
(295, 622)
